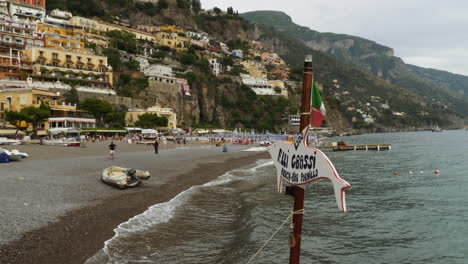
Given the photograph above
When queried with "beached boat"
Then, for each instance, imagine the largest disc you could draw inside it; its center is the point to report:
(22, 154)
(265, 143)
(7, 141)
(241, 142)
(12, 156)
(66, 142)
(123, 177)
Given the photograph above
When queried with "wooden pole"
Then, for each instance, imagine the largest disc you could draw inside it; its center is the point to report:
(295, 252)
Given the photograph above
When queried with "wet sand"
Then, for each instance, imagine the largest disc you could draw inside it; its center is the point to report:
(54, 209)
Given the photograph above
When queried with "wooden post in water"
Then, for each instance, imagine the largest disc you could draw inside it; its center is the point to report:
(295, 251)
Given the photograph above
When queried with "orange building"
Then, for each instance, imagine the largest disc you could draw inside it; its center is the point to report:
(41, 3)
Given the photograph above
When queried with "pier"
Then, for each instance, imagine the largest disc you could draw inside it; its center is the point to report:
(374, 147)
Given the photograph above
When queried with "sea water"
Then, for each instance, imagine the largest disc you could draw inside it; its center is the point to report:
(417, 216)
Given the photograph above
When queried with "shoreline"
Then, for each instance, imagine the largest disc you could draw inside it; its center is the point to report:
(78, 234)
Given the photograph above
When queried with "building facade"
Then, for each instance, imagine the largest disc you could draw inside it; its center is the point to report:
(15, 35)
(133, 114)
(28, 9)
(18, 95)
(99, 26)
(61, 35)
(84, 69)
(172, 40)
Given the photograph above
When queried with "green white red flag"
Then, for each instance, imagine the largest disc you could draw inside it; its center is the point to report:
(317, 107)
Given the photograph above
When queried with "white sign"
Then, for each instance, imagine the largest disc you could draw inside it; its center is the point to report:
(299, 164)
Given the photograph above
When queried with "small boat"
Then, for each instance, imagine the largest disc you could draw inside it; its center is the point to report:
(123, 177)
(65, 142)
(7, 141)
(22, 154)
(240, 142)
(436, 128)
(265, 143)
(11, 156)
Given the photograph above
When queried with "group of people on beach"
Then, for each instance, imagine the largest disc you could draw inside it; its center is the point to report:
(112, 148)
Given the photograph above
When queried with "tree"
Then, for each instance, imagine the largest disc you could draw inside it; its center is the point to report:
(36, 116)
(16, 119)
(113, 58)
(71, 96)
(188, 58)
(115, 119)
(122, 40)
(277, 89)
(148, 120)
(217, 10)
(162, 4)
(98, 108)
(230, 11)
(133, 65)
(182, 4)
(196, 6)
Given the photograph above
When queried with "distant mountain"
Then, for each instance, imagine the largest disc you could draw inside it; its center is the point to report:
(438, 88)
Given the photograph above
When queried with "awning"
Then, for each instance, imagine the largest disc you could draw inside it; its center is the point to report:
(9, 132)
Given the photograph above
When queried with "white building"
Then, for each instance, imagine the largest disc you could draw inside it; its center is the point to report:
(159, 70)
(216, 67)
(294, 120)
(61, 14)
(23, 9)
(258, 85)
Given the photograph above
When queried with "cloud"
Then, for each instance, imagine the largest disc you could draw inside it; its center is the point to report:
(410, 27)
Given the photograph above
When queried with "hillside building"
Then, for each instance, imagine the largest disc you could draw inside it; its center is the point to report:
(27, 9)
(216, 67)
(17, 95)
(133, 114)
(172, 40)
(255, 69)
(238, 53)
(16, 35)
(102, 27)
(61, 35)
(85, 69)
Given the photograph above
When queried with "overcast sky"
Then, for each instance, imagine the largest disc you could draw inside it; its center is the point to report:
(427, 33)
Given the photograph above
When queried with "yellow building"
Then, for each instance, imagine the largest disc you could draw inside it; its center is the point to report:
(173, 29)
(16, 96)
(63, 36)
(172, 40)
(97, 39)
(133, 114)
(99, 26)
(280, 84)
(255, 69)
(3, 108)
(50, 64)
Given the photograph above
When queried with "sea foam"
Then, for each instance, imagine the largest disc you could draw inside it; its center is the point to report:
(163, 212)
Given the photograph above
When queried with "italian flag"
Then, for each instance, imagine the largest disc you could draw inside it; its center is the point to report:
(318, 108)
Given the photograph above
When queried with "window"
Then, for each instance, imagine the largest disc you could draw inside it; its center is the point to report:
(23, 100)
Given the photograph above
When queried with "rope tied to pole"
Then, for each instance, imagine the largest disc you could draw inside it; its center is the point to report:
(288, 219)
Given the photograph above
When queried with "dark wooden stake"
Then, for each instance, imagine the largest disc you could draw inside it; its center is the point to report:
(295, 252)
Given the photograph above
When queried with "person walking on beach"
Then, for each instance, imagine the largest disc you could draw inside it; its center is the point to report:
(112, 147)
(156, 147)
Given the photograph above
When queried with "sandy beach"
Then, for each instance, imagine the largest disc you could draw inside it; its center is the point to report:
(54, 209)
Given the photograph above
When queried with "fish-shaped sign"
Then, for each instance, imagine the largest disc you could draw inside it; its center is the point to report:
(299, 164)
